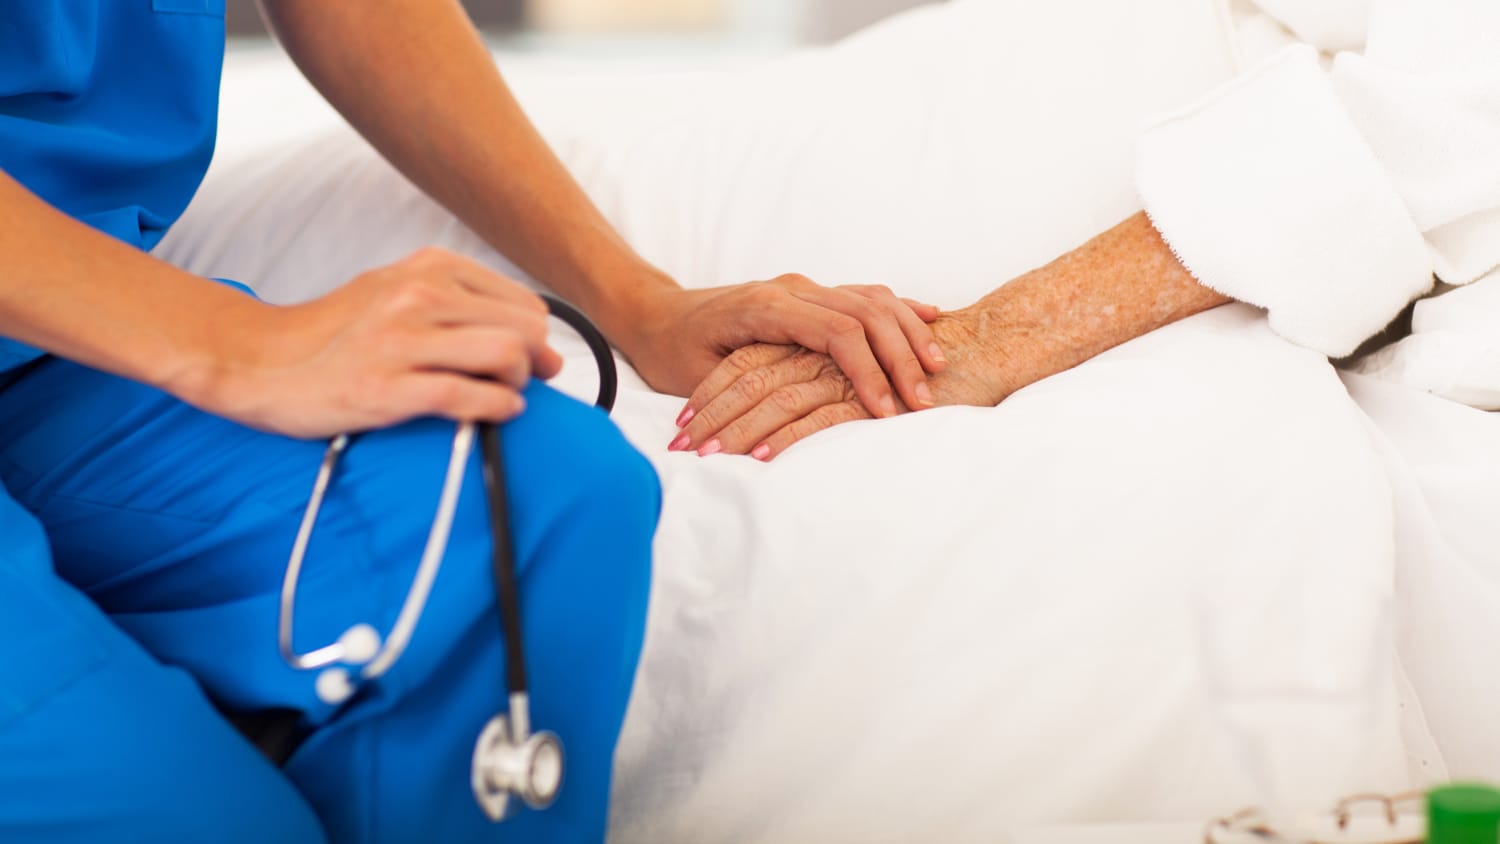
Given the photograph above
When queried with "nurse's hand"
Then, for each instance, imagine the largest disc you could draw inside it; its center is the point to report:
(883, 343)
(432, 335)
(1123, 284)
(762, 399)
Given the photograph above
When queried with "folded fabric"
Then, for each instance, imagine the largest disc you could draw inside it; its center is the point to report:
(1454, 348)
(1332, 197)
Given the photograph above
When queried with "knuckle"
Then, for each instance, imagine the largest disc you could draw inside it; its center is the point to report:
(788, 400)
(706, 422)
(430, 256)
(509, 347)
(443, 396)
(830, 415)
(534, 324)
(868, 312)
(740, 362)
(414, 293)
(833, 384)
(499, 402)
(359, 389)
(753, 384)
(767, 295)
(844, 327)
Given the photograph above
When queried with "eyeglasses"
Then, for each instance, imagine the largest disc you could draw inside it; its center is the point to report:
(1357, 819)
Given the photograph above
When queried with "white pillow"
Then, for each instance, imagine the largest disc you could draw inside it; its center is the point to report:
(943, 152)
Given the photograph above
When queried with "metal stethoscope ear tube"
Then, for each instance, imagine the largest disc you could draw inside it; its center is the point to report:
(509, 759)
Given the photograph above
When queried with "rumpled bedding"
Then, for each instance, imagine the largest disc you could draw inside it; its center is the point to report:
(1198, 571)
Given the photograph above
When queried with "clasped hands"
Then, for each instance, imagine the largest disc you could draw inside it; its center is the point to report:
(762, 398)
(766, 363)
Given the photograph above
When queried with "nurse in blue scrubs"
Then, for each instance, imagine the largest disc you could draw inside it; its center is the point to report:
(142, 538)
(159, 433)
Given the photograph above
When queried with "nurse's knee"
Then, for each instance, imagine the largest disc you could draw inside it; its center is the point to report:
(228, 809)
(131, 752)
(593, 511)
(202, 783)
(600, 482)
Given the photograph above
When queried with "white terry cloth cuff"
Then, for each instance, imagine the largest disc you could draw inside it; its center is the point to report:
(1269, 194)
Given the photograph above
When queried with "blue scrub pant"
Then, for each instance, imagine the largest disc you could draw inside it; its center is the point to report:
(169, 531)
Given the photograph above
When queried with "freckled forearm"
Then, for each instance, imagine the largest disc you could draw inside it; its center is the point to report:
(1121, 285)
(1118, 286)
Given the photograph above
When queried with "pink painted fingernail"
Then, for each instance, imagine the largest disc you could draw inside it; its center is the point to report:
(710, 448)
(924, 395)
(762, 452)
(681, 443)
(937, 353)
(685, 416)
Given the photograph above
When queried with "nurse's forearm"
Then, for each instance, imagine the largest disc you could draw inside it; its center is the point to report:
(72, 291)
(415, 78)
(432, 335)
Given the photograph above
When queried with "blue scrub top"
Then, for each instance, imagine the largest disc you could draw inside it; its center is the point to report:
(108, 110)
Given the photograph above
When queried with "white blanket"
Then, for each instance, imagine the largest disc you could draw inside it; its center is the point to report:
(954, 624)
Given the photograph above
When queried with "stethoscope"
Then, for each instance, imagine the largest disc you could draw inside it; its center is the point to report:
(509, 759)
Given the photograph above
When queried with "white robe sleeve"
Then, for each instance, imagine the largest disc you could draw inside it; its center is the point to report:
(1331, 197)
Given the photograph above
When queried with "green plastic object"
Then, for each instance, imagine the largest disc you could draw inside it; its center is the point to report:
(1463, 813)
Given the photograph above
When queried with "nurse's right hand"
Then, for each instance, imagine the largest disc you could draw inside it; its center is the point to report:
(435, 334)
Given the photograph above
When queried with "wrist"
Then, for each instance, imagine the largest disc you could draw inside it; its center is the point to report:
(634, 310)
(992, 352)
(209, 367)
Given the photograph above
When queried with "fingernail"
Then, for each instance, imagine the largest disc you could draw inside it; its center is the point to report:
(887, 406)
(685, 417)
(681, 443)
(710, 448)
(924, 395)
(762, 452)
(937, 353)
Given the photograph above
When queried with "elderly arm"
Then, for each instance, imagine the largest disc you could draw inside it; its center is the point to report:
(1118, 286)
(1329, 193)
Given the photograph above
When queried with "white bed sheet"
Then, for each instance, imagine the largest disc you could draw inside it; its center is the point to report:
(956, 624)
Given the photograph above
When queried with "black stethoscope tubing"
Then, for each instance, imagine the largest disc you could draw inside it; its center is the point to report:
(507, 590)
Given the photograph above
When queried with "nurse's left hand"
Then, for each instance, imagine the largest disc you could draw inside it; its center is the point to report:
(432, 335)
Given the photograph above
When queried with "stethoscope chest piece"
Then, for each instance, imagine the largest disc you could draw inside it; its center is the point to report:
(510, 763)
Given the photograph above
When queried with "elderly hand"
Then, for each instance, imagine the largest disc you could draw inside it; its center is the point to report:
(866, 332)
(764, 398)
(1124, 283)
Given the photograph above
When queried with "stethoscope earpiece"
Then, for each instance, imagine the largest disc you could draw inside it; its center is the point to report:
(360, 644)
(356, 648)
(334, 686)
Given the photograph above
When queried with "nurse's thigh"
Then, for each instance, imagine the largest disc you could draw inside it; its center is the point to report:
(179, 525)
(99, 742)
(584, 508)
